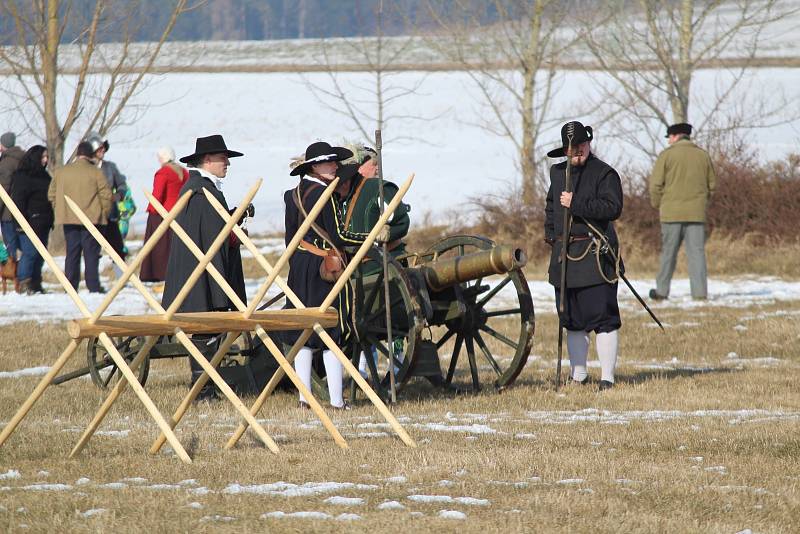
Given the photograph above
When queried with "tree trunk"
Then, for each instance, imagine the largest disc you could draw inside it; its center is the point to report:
(49, 54)
(680, 102)
(530, 66)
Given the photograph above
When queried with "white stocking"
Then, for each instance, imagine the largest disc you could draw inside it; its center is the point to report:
(302, 365)
(578, 348)
(334, 370)
(607, 345)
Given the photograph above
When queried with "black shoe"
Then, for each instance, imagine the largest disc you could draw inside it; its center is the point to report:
(303, 405)
(605, 384)
(208, 393)
(344, 406)
(100, 290)
(656, 296)
(579, 382)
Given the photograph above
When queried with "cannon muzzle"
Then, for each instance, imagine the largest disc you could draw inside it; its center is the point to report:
(443, 273)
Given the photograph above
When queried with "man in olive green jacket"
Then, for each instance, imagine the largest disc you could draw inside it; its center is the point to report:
(681, 185)
(84, 183)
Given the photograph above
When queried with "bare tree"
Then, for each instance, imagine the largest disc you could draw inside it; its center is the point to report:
(370, 105)
(104, 83)
(653, 49)
(512, 62)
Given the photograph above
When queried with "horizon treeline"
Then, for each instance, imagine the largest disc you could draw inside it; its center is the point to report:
(223, 20)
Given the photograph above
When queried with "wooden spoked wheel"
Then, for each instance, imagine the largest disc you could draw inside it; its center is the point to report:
(369, 326)
(104, 371)
(486, 325)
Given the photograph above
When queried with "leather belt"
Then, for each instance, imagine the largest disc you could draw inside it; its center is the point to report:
(574, 238)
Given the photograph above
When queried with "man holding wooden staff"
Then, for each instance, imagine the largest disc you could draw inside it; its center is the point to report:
(593, 201)
(208, 166)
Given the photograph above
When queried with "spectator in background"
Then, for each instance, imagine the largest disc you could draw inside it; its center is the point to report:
(84, 183)
(167, 185)
(10, 156)
(681, 184)
(118, 184)
(31, 183)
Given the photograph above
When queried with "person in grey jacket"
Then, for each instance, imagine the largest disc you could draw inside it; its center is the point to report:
(118, 184)
(10, 156)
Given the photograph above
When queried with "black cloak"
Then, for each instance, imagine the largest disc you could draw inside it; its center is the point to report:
(202, 223)
(597, 199)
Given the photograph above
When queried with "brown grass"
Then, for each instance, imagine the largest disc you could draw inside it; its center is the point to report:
(643, 476)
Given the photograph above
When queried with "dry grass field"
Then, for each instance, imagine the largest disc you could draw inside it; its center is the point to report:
(699, 435)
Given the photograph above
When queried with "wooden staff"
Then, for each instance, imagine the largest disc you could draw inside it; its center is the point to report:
(385, 267)
(320, 331)
(180, 335)
(104, 339)
(248, 310)
(566, 223)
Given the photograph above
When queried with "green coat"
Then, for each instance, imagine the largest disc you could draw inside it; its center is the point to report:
(682, 182)
(364, 211)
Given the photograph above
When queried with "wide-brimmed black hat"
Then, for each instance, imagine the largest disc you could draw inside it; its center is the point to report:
(320, 152)
(213, 144)
(679, 128)
(580, 134)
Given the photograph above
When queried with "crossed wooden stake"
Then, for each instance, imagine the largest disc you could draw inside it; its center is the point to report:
(168, 321)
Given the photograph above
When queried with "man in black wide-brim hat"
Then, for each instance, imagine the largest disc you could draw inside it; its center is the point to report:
(591, 276)
(208, 166)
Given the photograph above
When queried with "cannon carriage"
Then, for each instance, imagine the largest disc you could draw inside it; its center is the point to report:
(461, 312)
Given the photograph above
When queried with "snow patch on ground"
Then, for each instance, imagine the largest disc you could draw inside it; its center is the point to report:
(48, 487)
(468, 501)
(29, 371)
(93, 512)
(287, 489)
(344, 501)
(299, 515)
(348, 517)
(391, 505)
(11, 473)
(452, 514)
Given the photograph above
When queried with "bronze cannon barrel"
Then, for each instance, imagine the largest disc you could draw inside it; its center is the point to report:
(443, 273)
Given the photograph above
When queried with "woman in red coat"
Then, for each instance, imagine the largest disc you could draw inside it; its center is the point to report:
(167, 185)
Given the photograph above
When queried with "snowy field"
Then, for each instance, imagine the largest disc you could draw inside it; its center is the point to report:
(273, 117)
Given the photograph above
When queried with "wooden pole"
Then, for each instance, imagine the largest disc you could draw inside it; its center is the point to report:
(180, 335)
(385, 267)
(352, 265)
(112, 350)
(313, 403)
(202, 323)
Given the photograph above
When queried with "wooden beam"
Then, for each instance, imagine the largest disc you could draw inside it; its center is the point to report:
(202, 323)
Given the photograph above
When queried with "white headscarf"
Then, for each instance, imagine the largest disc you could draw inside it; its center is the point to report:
(165, 154)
